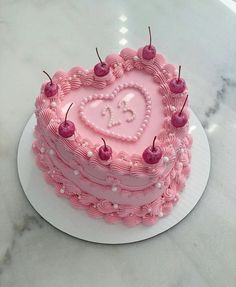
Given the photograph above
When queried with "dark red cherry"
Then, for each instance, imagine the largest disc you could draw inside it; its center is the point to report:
(50, 89)
(152, 154)
(105, 151)
(149, 51)
(177, 85)
(180, 119)
(101, 69)
(67, 128)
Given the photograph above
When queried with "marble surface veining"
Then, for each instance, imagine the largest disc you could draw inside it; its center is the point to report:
(40, 34)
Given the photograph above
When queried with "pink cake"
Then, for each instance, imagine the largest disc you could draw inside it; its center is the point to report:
(129, 104)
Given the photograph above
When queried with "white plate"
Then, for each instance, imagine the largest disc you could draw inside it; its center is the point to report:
(77, 223)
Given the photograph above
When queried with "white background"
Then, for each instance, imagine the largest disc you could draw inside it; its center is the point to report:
(40, 34)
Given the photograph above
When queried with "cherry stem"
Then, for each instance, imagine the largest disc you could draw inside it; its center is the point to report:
(183, 106)
(179, 73)
(105, 146)
(150, 37)
(68, 111)
(99, 57)
(48, 76)
(153, 144)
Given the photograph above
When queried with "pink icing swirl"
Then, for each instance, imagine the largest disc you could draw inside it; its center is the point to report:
(128, 53)
(128, 65)
(65, 87)
(170, 69)
(167, 208)
(118, 71)
(169, 194)
(105, 206)
(75, 71)
(94, 212)
(114, 59)
(46, 116)
(75, 202)
(112, 218)
(59, 76)
(41, 102)
(149, 220)
(75, 83)
(132, 220)
(87, 78)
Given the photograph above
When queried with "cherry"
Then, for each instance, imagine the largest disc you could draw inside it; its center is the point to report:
(149, 51)
(101, 69)
(177, 85)
(67, 128)
(152, 154)
(105, 151)
(179, 119)
(50, 88)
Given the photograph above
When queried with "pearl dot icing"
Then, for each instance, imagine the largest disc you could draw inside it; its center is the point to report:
(166, 159)
(108, 111)
(51, 152)
(76, 172)
(53, 104)
(158, 185)
(90, 153)
(114, 188)
(42, 150)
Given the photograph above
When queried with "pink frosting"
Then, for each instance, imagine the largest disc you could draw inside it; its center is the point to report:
(112, 218)
(114, 60)
(147, 214)
(128, 53)
(125, 188)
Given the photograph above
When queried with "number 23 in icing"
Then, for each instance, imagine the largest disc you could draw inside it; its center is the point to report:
(111, 123)
(125, 109)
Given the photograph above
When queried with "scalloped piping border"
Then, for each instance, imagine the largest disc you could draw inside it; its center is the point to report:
(147, 214)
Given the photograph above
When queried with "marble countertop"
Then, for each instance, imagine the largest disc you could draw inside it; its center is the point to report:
(40, 34)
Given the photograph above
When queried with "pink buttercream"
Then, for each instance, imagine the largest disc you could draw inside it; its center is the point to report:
(149, 220)
(94, 212)
(132, 220)
(128, 53)
(125, 187)
(112, 218)
(114, 59)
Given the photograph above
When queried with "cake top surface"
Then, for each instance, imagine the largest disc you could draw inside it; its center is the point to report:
(127, 113)
(127, 107)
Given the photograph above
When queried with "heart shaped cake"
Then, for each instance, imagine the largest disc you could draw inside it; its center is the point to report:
(122, 150)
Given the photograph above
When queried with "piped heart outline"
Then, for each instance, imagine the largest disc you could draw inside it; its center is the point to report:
(110, 97)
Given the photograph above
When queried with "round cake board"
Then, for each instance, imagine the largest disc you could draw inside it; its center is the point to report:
(58, 211)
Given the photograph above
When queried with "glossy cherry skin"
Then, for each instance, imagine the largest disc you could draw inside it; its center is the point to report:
(50, 89)
(105, 152)
(66, 129)
(149, 52)
(101, 69)
(179, 120)
(177, 86)
(151, 155)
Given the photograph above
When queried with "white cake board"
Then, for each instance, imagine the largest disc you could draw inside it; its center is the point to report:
(58, 211)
